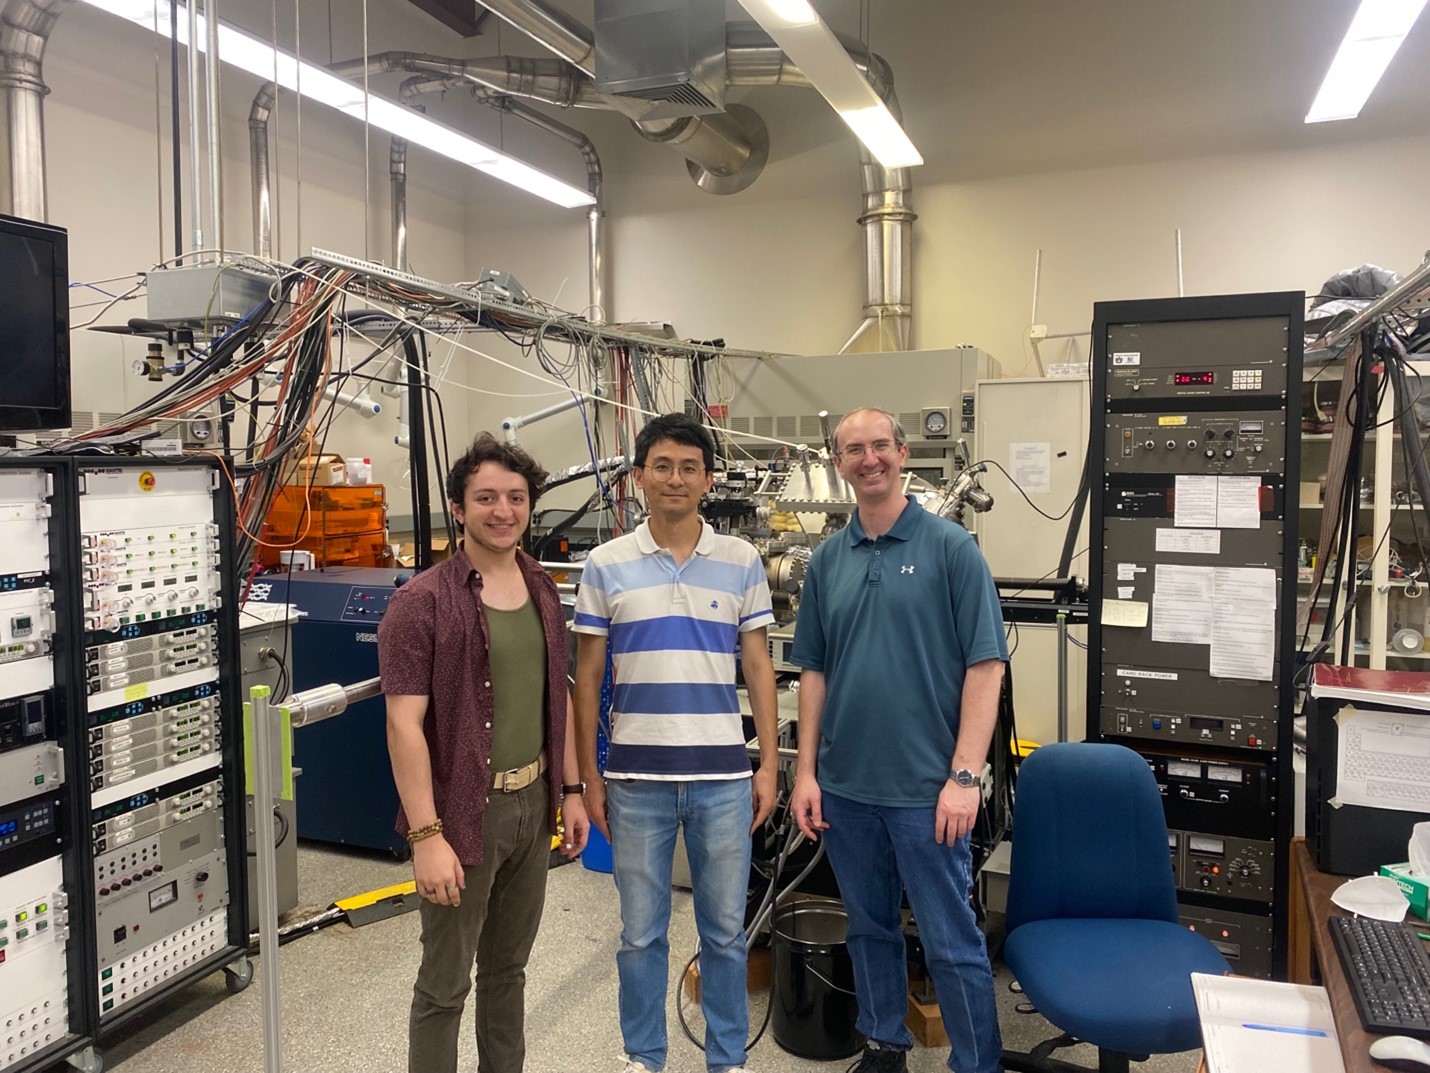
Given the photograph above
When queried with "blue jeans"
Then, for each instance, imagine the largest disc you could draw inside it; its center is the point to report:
(716, 815)
(876, 850)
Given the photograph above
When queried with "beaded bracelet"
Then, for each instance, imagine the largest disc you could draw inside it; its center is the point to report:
(417, 834)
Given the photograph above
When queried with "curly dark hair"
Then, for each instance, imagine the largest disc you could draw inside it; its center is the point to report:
(487, 448)
(679, 428)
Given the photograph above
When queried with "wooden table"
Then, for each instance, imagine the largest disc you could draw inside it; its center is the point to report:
(1313, 958)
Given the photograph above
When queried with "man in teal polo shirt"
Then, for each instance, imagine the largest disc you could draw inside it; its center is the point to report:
(900, 638)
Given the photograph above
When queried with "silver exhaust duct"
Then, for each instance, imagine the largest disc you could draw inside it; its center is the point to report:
(25, 27)
(397, 173)
(258, 114)
(726, 152)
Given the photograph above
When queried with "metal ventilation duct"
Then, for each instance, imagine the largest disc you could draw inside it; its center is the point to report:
(668, 53)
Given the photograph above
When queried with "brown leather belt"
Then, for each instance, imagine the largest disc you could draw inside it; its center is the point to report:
(519, 778)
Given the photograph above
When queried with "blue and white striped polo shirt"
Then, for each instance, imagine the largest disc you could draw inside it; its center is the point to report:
(673, 630)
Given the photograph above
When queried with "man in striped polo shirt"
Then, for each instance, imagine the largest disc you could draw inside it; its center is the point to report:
(674, 600)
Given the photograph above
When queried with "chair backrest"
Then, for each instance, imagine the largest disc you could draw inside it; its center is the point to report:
(1089, 837)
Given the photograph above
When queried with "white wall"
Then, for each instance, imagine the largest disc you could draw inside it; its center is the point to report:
(779, 267)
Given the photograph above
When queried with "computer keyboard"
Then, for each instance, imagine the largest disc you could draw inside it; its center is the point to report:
(1389, 973)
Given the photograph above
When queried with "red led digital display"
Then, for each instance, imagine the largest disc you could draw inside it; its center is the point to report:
(1194, 378)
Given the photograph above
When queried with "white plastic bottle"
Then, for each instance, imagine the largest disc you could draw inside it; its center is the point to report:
(359, 470)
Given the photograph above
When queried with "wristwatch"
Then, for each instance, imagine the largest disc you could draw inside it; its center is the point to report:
(963, 777)
(570, 788)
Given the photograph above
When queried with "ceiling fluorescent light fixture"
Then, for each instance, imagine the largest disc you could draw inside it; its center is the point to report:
(1371, 42)
(802, 34)
(261, 59)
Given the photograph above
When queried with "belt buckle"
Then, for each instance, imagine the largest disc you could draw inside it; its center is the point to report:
(506, 781)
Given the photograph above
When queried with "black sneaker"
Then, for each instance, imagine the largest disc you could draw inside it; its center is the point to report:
(880, 1058)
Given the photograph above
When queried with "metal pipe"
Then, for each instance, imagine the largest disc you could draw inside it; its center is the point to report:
(719, 145)
(1181, 284)
(546, 80)
(176, 180)
(511, 425)
(1062, 677)
(25, 27)
(267, 883)
(196, 171)
(596, 311)
(556, 30)
(1417, 281)
(258, 114)
(323, 702)
(397, 172)
(213, 113)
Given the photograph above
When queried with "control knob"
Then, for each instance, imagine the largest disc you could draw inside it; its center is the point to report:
(1229, 453)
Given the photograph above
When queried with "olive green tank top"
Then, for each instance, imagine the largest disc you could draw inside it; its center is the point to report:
(518, 667)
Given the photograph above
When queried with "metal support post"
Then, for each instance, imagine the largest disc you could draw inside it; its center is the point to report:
(264, 740)
(1062, 620)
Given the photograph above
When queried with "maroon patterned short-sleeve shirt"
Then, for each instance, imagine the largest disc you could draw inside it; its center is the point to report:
(434, 642)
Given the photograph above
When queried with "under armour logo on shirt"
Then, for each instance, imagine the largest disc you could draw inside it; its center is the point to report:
(906, 569)
(715, 605)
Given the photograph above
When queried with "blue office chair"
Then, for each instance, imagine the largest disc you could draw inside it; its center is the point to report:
(1093, 936)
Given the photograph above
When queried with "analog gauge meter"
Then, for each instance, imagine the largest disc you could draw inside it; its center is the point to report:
(935, 422)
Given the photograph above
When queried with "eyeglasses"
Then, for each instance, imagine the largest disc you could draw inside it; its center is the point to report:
(663, 470)
(855, 451)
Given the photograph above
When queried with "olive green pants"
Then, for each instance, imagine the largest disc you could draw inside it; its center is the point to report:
(494, 928)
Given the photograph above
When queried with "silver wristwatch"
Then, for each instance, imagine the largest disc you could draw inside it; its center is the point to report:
(963, 777)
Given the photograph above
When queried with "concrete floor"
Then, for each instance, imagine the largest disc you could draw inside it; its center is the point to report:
(345, 994)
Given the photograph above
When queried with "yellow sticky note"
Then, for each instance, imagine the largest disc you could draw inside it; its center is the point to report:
(137, 692)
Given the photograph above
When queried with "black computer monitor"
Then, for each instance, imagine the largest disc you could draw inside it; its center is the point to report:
(34, 326)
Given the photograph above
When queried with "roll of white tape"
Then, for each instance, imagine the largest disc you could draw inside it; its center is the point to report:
(1407, 641)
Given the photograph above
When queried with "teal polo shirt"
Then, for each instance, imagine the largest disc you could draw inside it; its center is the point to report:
(893, 623)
